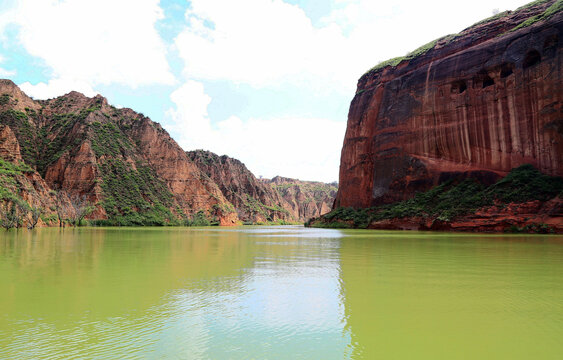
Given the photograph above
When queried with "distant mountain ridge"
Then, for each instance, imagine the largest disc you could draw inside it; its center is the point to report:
(305, 199)
(122, 162)
(261, 200)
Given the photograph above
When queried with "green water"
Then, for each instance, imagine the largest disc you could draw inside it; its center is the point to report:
(278, 293)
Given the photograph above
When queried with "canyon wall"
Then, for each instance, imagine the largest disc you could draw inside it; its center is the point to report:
(477, 103)
(122, 162)
(254, 201)
(262, 200)
(304, 199)
(131, 170)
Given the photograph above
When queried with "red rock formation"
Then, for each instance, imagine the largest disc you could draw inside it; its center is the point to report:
(304, 199)
(478, 103)
(254, 201)
(264, 200)
(84, 146)
(26, 184)
(130, 168)
(9, 146)
(193, 190)
(14, 98)
(533, 216)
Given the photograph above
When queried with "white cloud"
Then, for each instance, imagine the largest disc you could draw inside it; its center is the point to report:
(305, 148)
(6, 73)
(190, 119)
(96, 42)
(56, 87)
(265, 42)
(259, 42)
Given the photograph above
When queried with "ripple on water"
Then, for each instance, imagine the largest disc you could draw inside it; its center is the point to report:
(278, 292)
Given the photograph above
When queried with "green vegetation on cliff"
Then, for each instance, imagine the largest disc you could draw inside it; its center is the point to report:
(134, 196)
(317, 190)
(42, 146)
(114, 160)
(450, 199)
(108, 139)
(411, 55)
(10, 187)
(256, 207)
(254, 201)
(549, 12)
(556, 7)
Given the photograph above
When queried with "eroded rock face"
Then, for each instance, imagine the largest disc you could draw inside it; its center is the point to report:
(479, 104)
(133, 171)
(191, 187)
(304, 199)
(9, 146)
(123, 162)
(261, 200)
(25, 183)
(12, 97)
(253, 200)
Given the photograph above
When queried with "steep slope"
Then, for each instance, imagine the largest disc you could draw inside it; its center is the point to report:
(18, 181)
(475, 104)
(304, 199)
(261, 200)
(254, 201)
(124, 163)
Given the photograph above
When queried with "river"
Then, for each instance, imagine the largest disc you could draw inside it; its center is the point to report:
(284, 292)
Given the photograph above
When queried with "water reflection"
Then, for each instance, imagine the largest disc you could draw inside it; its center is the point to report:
(181, 293)
(278, 292)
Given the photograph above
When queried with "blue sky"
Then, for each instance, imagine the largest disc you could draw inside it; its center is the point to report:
(266, 81)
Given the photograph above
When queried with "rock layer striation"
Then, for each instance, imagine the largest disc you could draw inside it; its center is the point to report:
(263, 200)
(477, 103)
(121, 161)
(130, 169)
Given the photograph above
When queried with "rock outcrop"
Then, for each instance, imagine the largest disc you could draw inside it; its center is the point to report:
(124, 163)
(474, 104)
(304, 199)
(131, 170)
(254, 201)
(263, 200)
(523, 201)
(18, 180)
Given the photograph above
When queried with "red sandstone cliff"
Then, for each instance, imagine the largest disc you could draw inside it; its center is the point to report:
(264, 200)
(124, 163)
(477, 103)
(304, 199)
(19, 180)
(131, 169)
(254, 201)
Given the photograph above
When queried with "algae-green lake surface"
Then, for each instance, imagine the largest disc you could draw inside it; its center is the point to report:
(283, 292)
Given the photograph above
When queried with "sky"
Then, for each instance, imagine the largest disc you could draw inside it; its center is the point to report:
(268, 82)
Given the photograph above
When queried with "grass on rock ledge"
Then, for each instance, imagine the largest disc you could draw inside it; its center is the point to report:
(449, 200)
